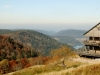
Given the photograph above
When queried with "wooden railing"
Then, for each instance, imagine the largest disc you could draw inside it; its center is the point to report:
(88, 42)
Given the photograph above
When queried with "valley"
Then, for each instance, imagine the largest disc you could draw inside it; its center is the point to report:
(71, 37)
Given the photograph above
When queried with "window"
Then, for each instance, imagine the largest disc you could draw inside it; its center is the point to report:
(91, 48)
(90, 38)
(99, 28)
(96, 38)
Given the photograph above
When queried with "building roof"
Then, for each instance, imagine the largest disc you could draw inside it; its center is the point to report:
(91, 28)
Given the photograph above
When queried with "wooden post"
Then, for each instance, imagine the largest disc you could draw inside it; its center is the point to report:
(94, 50)
(86, 48)
(93, 39)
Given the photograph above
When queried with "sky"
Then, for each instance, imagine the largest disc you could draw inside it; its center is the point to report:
(52, 15)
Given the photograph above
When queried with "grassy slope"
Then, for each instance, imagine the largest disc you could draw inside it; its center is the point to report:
(87, 67)
(45, 69)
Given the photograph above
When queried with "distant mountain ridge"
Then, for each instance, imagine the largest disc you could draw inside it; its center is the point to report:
(70, 36)
(46, 32)
(3, 31)
(68, 40)
(71, 32)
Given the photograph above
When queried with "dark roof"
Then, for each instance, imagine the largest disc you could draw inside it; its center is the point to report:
(92, 28)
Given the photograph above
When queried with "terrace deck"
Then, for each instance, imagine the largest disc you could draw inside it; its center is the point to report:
(88, 55)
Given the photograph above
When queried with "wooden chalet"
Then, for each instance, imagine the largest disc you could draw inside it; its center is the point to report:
(92, 42)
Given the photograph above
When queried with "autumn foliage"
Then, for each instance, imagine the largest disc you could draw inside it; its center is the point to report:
(12, 50)
(15, 53)
(19, 56)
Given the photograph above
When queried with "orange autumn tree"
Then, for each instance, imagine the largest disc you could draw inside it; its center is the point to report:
(62, 54)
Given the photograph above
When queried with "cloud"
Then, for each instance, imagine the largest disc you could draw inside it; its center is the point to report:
(7, 7)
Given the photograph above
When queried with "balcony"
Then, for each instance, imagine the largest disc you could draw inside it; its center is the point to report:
(91, 42)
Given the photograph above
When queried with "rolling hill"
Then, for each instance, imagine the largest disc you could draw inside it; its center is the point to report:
(40, 42)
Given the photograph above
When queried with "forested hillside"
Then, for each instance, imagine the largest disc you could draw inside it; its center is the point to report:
(11, 49)
(40, 42)
(24, 48)
(14, 55)
(68, 36)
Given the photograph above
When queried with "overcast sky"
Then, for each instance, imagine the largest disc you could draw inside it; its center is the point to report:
(49, 14)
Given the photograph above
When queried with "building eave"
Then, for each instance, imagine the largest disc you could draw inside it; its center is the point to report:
(91, 28)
